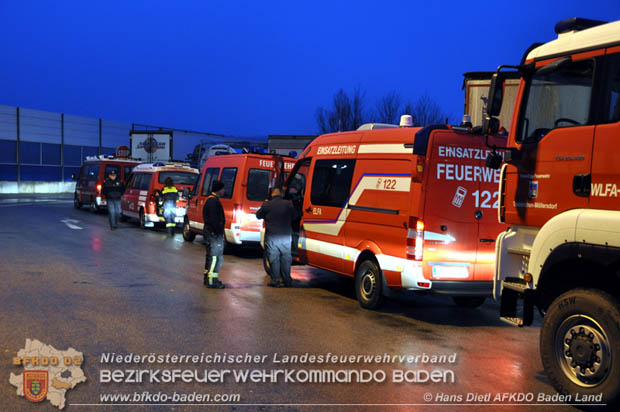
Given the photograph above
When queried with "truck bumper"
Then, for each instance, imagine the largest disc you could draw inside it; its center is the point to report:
(463, 288)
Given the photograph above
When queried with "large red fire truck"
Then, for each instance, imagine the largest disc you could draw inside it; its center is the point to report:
(560, 193)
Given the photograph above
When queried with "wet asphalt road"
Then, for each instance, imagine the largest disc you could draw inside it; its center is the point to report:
(134, 291)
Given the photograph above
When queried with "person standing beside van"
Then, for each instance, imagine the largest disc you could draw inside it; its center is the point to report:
(213, 232)
(113, 189)
(170, 195)
(279, 215)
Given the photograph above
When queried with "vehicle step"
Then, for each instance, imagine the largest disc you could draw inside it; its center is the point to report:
(519, 251)
(512, 321)
(516, 286)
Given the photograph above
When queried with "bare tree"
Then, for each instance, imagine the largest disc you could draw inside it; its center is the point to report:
(388, 107)
(426, 111)
(347, 113)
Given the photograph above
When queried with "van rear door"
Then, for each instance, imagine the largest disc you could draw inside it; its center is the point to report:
(452, 182)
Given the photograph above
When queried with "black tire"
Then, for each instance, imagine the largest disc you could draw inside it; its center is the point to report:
(188, 235)
(142, 219)
(76, 203)
(470, 302)
(582, 328)
(369, 285)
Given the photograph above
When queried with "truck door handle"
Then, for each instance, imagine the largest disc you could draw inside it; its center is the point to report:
(309, 209)
(487, 240)
(582, 184)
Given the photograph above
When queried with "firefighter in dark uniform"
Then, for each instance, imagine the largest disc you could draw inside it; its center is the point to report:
(170, 195)
(213, 232)
(279, 215)
(113, 189)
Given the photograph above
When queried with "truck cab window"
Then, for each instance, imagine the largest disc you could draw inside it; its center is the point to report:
(556, 99)
(612, 89)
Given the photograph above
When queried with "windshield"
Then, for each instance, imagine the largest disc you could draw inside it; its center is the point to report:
(557, 99)
(178, 178)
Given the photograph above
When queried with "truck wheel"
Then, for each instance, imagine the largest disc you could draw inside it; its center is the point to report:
(368, 285)
(468, 301)
(76, 203)
(580, 344)
(188, 235)
(142, 219)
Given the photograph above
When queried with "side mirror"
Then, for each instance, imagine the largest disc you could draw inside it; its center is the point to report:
(490, 126)
(496, 94)
(494, 160)
(73, 177)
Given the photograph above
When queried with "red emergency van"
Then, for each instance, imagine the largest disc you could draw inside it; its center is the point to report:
(141, 198)
(94, 172)
(247, 178)
(399, 208)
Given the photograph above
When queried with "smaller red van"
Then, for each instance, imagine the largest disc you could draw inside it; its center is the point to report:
(147, 180)
(247, 178)
(93, 173)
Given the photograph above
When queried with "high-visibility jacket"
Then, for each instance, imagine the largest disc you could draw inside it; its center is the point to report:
(170, 194)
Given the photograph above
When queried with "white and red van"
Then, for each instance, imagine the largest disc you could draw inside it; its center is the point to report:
(140, 200)
(94, 172)
(399, 208)
(247, 178)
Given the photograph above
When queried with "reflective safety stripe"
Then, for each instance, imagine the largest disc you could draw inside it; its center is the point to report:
(171, 224)
(169, 190)
(213, 261)
(213, 275)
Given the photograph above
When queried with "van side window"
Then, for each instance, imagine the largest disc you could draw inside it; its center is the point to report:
(128, 170)
(612, 89)
(331, 182)
(560, 98)
(210, 175)
(228, 178)
(145, 182)
(258, 184)
(136, 181)
(131, 181)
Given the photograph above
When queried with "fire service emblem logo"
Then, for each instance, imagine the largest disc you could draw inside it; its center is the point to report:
(35, 385)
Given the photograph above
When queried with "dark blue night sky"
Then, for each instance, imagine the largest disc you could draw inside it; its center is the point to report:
(259, 67)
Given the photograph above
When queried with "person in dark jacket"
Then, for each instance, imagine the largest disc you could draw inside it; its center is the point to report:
(279, 215)
(113, 189)
(213, 232)
(170, 196)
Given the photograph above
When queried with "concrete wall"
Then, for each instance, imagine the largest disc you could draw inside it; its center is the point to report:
(36, 187)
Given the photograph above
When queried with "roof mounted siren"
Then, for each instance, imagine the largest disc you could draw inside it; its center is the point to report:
(575, 24)
(406, 120)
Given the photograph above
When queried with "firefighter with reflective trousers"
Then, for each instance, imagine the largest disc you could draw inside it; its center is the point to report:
(170, 195)
(213, 232)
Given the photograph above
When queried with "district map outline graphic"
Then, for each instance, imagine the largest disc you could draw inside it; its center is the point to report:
(61, 377)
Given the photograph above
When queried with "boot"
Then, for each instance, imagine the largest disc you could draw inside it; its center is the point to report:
(215, 284)
(206, 280)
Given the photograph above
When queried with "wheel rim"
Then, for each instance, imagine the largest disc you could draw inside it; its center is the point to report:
(583, 351)
(368, 284)
(186, 229)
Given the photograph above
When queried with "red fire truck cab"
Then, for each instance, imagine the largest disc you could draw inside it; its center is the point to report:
(560, 194)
